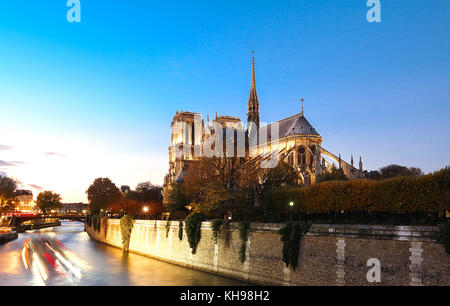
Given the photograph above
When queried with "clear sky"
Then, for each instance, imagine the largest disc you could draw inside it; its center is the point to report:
(95, 99)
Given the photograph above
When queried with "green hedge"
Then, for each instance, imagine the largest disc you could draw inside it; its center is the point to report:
(426, 193)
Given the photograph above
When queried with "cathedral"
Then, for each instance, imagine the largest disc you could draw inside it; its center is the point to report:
(293, 140)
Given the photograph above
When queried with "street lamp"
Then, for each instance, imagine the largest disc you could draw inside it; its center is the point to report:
(145, 209)
(291, 204)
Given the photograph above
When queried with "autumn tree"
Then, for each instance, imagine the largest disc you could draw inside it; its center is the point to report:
(155, 209)
(102, 193)
(213, 185)
(221, 185)
(7, 190)
(126, 206)
(48, 200)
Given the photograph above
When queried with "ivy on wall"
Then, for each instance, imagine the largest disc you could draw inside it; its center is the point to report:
(243, 234)
(94, 221)
(291, 234)
(216, 224)
(193, 230)
(126, 226)
(444, 237)
(167, 228)
(180, 230)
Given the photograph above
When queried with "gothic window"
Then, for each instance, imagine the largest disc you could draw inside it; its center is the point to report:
(301, 156)
(291, 159)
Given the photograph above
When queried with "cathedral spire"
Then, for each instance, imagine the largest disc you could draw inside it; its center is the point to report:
(253, 83)
(253, 104)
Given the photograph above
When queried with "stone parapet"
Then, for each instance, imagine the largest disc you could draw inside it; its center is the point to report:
(329, 255)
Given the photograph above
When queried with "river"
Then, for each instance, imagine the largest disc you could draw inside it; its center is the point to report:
(101, 264)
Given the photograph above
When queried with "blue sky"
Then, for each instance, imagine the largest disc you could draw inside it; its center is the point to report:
(102, 93)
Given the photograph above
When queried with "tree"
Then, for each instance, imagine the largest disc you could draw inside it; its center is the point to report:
(135, 208)
(177, 201)
(222, 185)
(262, 182)
(212, 184)
(372, 175)
(334, 175)
(7, 189)
(397, 170)
(101, 194)
(48, 200)
(126, 206)
(155, 209)
(147, 192)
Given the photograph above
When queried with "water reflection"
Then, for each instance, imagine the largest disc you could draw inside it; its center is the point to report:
(100, 264)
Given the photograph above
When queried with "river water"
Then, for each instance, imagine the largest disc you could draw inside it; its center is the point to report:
(101, 264)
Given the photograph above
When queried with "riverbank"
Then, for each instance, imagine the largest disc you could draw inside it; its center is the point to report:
(101, 264)
(329, 254)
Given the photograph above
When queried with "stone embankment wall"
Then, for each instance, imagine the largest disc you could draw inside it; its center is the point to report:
(329, 254)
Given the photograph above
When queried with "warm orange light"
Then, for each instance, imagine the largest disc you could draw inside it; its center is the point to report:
(145, 209)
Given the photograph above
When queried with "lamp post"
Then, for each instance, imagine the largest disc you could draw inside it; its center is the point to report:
(291, 204)
(145, 209)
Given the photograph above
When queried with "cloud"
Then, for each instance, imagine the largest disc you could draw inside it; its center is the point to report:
(7, 164)
(39, 188)
(3, 173)
(4, 147)
(55, 154)
(10, 163)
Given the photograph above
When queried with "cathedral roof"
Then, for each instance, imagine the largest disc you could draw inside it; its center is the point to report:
(294, 125)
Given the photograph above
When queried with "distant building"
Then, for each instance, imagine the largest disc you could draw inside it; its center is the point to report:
(125, 189)
(24, 200)
(78, 208)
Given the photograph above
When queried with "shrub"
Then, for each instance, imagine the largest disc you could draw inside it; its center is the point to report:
(291, 234)
(193, 230)
(126, 226)
(216, 224)
(243, 234)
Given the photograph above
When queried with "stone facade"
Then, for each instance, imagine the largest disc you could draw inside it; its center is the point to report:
(330, 255)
